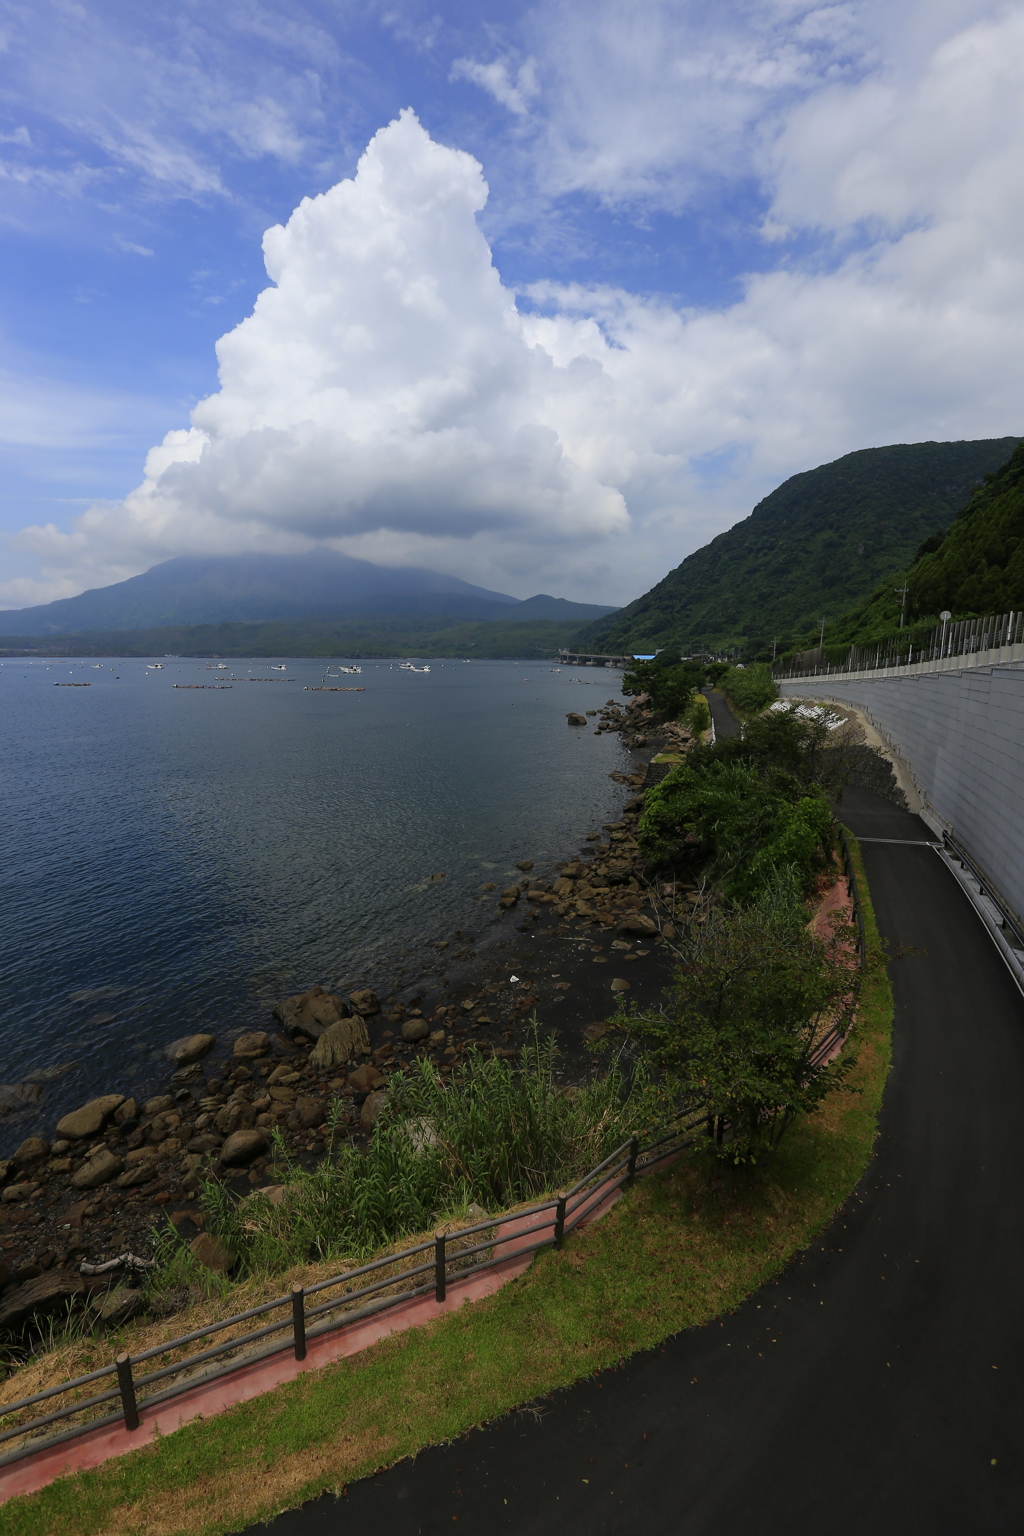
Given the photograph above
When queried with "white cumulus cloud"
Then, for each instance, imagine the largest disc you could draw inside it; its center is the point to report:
(388, 394)
(384, 388)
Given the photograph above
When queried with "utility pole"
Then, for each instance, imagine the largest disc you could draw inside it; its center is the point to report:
(821, 642)
(901, 592)
(775, 647)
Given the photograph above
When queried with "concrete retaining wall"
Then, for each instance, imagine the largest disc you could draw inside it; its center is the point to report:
(959, 734)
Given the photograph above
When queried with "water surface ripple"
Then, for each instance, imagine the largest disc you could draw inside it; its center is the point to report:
(178, 859)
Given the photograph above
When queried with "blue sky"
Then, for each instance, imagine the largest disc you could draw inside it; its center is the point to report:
(704, 248)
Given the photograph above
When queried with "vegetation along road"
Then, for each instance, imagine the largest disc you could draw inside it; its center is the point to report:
(876, 1386)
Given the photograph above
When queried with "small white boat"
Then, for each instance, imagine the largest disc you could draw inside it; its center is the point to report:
(275, 668)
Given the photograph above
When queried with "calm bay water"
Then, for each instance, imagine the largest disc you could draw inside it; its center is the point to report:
(176, 860)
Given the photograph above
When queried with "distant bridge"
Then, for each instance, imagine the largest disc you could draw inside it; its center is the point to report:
(592, 659)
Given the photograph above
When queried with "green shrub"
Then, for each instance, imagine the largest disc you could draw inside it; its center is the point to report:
(749, 688)
(497, 1133)
(754, 996)
(698, 716)
(752, 822)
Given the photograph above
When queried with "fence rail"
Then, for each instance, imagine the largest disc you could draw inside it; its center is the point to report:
(962, 637)
(446, 1257)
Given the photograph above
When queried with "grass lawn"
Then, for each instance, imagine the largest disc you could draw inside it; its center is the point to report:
(684, 1246)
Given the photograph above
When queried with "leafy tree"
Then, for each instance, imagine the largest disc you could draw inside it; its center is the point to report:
(757, 804)
(754, 996)
(750, 688)
(668, 681)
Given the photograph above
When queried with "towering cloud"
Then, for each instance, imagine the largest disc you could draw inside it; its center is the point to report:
(384, 388)
(389, 396)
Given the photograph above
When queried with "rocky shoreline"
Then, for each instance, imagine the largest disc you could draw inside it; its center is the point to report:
(564, 949)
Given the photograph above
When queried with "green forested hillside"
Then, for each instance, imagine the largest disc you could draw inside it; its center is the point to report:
(818, 545)
(976, 566)
(368, 637)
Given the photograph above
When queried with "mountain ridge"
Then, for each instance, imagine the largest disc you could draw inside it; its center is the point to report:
(972, 568)
(820, 543)
(254, 588)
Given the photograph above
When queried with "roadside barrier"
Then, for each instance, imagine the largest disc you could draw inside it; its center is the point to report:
(964, 637)
(431, 1267)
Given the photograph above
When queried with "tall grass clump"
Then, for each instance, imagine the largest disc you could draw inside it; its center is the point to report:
(497, 1133)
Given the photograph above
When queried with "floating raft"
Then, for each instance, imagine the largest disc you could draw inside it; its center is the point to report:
(202, 685)
(72, 685)
(321, 689)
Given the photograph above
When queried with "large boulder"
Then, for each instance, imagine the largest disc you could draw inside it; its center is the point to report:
(117, 1306)
(16, 1192)
(365, 1078)
(139, 1173)
(310, 1012)
(204, 1143)
(576, 719)
(237, 1115)
(372, 1106)
(365, 1002)
(637, 924)
(339, 1043)
(46, 1294)
(17, 1095)
(212, 1253)
(415, 1029)
(181, 1053)
(311, 1112)
(162, 1104)
(90, 1119)
(31, 1151)
(101, 1167)
(242, 1146)
(248, 1046)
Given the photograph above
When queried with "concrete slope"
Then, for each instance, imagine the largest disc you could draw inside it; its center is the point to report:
(877, 1386)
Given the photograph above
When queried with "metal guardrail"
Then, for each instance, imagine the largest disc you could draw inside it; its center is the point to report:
(963, 637)
(443, 1258)
(1009, 919)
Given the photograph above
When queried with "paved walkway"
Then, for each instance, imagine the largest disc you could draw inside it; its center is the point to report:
(726, 723)
(878, 1386)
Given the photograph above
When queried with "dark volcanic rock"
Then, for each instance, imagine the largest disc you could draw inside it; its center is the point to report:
(46, 1294)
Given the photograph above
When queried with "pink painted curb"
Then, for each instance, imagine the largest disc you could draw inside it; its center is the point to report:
(246, 1382)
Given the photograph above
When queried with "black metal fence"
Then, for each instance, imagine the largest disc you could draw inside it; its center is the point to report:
(962, 637)
(308, 1312)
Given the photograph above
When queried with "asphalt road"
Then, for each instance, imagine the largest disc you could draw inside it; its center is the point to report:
(877, 1386)
(726, 723)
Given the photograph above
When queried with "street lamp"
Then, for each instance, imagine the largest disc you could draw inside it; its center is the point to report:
(902, 592)
(945, 616)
